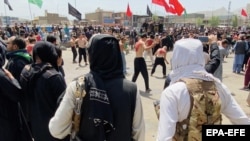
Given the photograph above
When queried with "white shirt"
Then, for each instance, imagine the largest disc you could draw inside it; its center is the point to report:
(175, 105)
(60, 125)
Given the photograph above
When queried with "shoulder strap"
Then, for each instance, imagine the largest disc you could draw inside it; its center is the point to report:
(182, 127)
(47, 71)
(24, 72)
(79, 95)
(189, 83)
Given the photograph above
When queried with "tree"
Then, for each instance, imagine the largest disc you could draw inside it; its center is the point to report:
(199, 22)
(235, 21)
(214, 21)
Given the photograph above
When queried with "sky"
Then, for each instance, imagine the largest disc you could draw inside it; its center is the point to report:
(21, 7)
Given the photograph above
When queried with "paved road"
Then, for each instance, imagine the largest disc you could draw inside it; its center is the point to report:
(233, 81)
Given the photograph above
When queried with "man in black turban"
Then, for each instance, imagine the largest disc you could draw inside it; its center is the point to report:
(111, 109)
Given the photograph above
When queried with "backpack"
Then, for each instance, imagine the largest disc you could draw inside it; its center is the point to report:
(204, 110)
(27, 85)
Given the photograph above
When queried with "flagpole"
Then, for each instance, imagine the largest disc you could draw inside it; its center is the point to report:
(184, 21)
(132, 21)
(5, 12)
(30, 13)
(155, 10)
(151, 12)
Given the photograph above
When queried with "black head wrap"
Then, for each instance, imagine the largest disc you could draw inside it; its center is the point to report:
(105, 64)
(105, 56)
(46, 52)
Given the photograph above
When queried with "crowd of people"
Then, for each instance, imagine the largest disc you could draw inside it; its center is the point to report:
(37, 104)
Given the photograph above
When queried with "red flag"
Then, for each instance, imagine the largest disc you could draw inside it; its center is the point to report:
(167, 7)
(177, 6)
(243, 13)
(128, 13)
(158, 2)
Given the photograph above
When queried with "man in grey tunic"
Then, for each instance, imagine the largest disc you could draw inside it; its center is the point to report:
(223, 52)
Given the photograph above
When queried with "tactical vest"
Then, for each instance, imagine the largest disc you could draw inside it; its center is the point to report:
(204, 110)
(122, 109)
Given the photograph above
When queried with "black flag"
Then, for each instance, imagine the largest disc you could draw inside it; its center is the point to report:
(7, 2)
(74, 12)
(149, 13)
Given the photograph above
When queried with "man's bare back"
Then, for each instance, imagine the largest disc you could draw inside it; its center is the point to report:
(162, 53)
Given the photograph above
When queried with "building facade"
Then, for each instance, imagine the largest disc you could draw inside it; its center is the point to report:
(100, 17)
(121, 18)
(50, 18)
(7, 20)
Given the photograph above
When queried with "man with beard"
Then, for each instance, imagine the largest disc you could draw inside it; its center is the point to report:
(111, 109)
(17, 56)
(10, 92)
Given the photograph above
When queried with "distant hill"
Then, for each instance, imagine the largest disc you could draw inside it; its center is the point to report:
(217, 12)
(221, 12)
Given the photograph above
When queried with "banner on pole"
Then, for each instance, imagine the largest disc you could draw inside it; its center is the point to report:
(74, 12)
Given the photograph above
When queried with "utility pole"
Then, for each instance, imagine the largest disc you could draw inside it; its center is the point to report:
(228, 14)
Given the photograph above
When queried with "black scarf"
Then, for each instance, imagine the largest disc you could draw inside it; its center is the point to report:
(105, 64)
(105, 57)
(46, 52)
